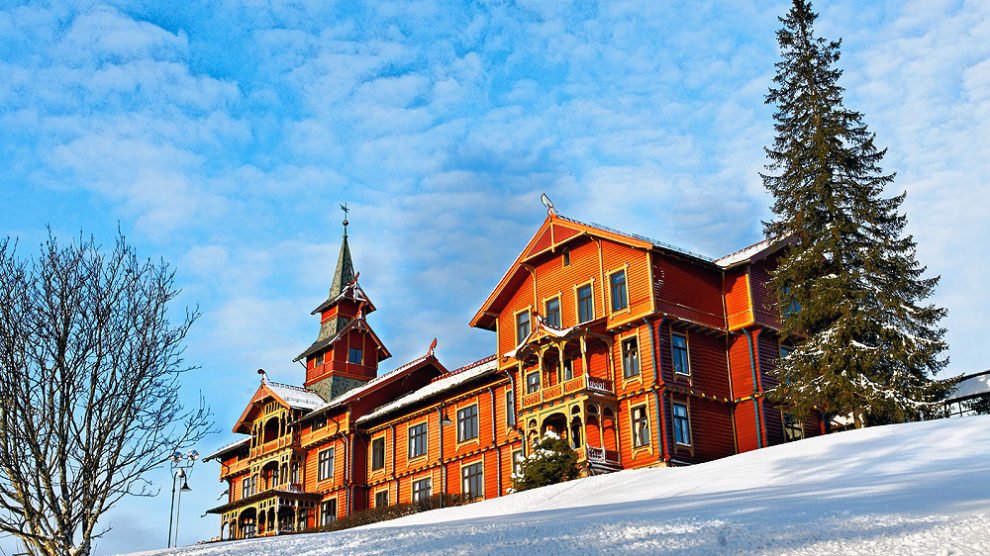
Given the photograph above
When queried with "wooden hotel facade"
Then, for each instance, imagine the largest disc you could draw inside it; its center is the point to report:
(638, 353)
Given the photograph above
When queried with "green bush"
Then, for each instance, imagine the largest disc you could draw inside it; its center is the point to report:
(550, 462)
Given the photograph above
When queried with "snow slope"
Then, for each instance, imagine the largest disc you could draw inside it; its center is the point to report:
(918, 488)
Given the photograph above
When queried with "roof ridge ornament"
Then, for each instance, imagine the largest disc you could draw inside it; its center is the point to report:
(433, 348)
(264, 376)
(548, 203)
(346, 210)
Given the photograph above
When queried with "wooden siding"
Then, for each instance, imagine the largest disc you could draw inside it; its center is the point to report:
(764, 300)
(689, 291)
(738, 309)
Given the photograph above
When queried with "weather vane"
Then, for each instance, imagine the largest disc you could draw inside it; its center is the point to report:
(344, 208)
(548, 203)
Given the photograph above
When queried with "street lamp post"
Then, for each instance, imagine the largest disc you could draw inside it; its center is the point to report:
(180, 463)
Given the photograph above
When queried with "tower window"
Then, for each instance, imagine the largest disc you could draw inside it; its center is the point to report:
(354, 355)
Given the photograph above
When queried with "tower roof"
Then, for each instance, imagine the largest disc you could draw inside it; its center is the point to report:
(344, 273)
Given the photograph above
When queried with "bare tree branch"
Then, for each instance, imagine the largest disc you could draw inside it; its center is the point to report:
(90, 364)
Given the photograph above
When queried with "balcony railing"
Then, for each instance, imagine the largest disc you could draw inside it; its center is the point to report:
(601, 455)
(287, 440)
(583, 382)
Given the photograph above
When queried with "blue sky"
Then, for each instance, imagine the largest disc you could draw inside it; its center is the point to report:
(222, 139)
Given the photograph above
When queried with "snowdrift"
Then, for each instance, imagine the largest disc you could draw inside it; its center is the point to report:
(917, 488)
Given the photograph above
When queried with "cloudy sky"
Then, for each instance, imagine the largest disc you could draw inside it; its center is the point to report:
(223, 139)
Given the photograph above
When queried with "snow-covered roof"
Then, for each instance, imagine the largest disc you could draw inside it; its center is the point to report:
(743, 254)
(972, 385)
(296, 397)
(656, 243)
(439, 384)
(228, 448)
(351, 394)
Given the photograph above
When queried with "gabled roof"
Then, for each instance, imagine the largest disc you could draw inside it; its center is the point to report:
(439, 385)
(296, 397)
(359, 324)
(292, 397)
(233, 446)
(556, 231)
(351, 291)
(378, 383)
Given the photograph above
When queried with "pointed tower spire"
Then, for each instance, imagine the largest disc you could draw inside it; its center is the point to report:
(343, 324)
(344, 273)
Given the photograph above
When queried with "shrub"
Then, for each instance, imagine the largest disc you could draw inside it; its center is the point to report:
(551, 461)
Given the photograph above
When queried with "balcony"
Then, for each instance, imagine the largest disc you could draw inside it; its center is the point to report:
(583, 383)
(277, 444)
(601, 455)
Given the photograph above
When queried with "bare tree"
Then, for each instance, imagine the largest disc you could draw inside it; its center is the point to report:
(89, 387)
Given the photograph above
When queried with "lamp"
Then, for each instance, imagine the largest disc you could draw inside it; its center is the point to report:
(446, 420)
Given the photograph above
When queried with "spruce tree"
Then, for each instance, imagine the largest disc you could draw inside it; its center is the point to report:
(850, 288)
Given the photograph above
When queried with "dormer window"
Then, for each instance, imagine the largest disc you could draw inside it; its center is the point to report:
(354, 355)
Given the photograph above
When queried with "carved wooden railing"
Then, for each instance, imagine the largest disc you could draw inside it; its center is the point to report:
(601, 455)
(583, 382)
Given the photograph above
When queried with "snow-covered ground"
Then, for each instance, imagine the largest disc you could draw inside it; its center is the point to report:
(918, 488)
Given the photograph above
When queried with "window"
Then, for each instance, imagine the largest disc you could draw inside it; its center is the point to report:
(517, 461)
(378, 453)
(328, 512)
(294, 474)
(246, 487)
(522, 326)
(248, 529)
(472, 481)
(319, 422)
(682, 427)
(324, 465)
(553, 312)
(617, 287)
(417, 440)
(640, 427)
(318, 360)
(630, 357)
(381, 499)
(785, 351)
(354, 356)
(467, 423)
(586, 303)
(422, 490)
(793, 429)
(791, 305)
(568, 369)
(679, 351)
(510, 408)
(533, 382)
(566, 257)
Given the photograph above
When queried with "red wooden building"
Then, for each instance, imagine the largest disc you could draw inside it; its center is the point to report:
(637, 352)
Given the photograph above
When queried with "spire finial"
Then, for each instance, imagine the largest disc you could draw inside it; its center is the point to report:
(344, 208)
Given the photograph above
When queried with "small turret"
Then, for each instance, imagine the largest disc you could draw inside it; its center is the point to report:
(347, 351)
